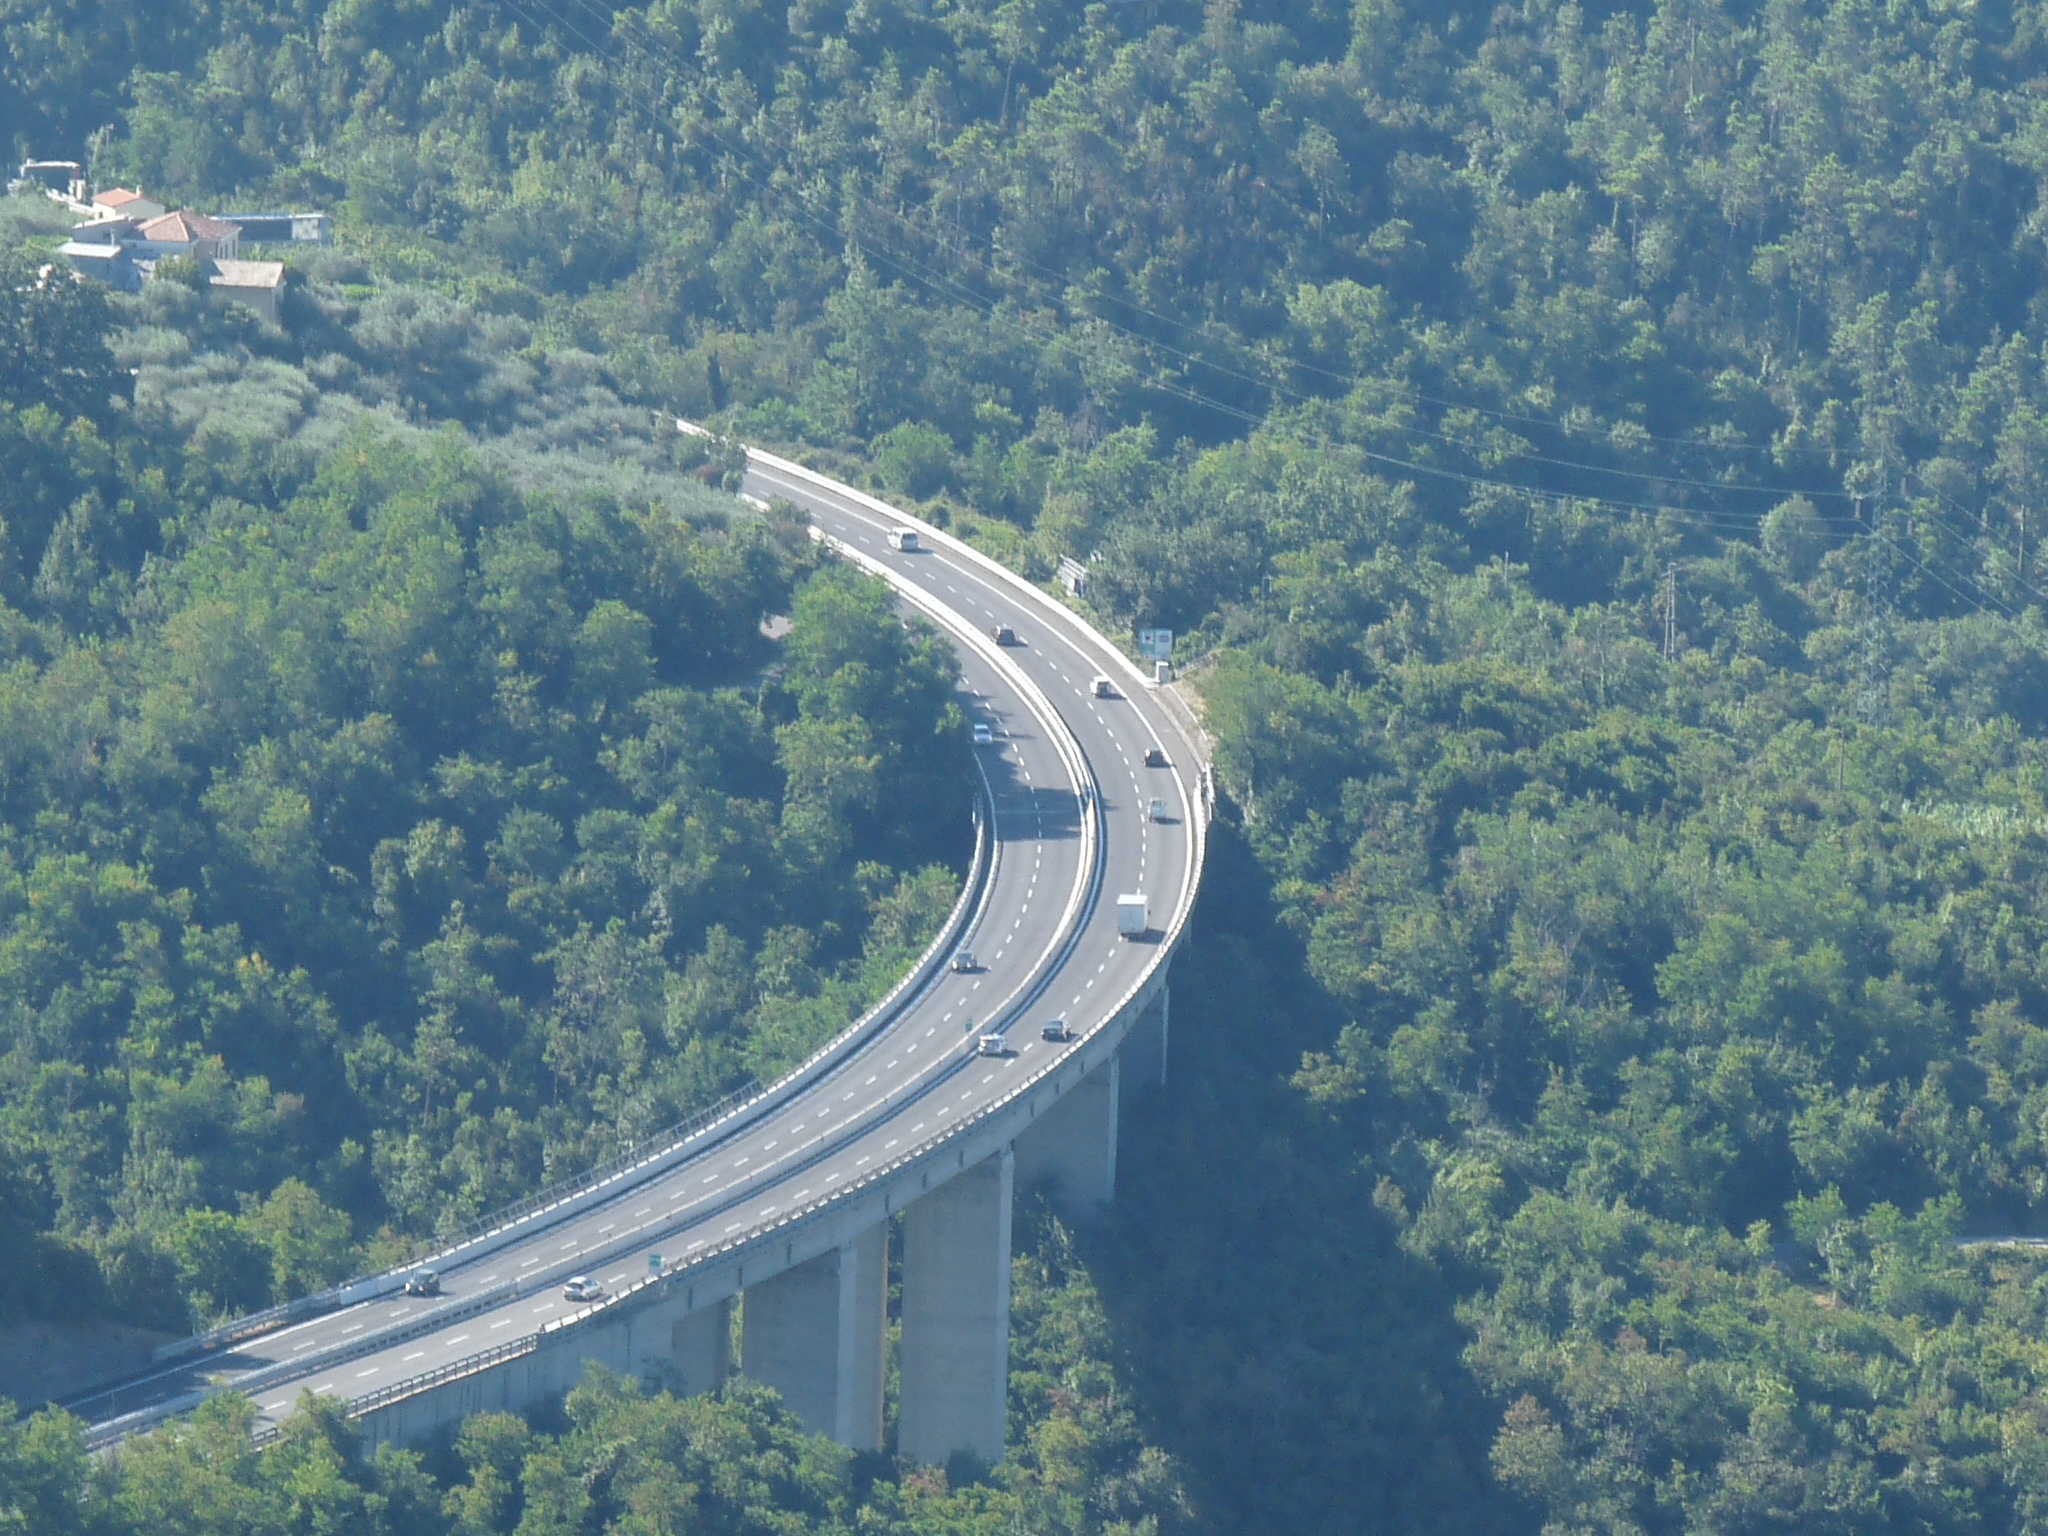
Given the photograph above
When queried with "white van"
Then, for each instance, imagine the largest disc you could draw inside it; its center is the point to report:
(904, 539)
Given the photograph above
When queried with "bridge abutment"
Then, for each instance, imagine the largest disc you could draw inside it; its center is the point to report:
(955, 1353)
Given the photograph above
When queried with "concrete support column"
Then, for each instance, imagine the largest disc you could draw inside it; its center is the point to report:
(1145, 1047)
(1072, 1144)
(701, 1349)
(955, 1352)
(863, 1339)
(815, 1334)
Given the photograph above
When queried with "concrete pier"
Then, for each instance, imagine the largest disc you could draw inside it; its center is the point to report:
(1071, 1147)
(701, 1349)
(815, 1333)
(955, 1350)
(863, 1340)
(1144, 1050)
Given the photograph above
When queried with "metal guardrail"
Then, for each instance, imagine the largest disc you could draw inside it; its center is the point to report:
(967, 909)
(1204, 794)
(642, 1152)
(817, 1209)
(426, 1381)
(254, 1324)
(483, 1360)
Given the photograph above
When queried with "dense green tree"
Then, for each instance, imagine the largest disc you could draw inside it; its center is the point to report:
(1592, 458)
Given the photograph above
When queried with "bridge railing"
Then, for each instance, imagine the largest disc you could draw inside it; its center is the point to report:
(644, 1290)
(743, 1102)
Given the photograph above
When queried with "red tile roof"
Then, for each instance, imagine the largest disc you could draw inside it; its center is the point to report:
(119, 197)
(184, 227)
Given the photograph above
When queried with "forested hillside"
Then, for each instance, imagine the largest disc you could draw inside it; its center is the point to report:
(1593, 456)
(393, 820)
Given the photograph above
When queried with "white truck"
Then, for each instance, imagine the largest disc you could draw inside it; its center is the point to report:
(1131, 919)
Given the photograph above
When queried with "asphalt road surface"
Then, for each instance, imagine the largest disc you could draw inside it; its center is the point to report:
(1046, 941)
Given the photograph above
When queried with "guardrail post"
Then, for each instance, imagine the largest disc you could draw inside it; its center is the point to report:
(814, 1333)
(955, 1352)
(1071, 1145)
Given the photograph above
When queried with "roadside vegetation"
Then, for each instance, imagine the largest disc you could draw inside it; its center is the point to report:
(395, 818)
(1593, 458)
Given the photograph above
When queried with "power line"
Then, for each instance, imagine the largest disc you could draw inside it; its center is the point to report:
(1051, 275)
(1269, 384)
(945, 286)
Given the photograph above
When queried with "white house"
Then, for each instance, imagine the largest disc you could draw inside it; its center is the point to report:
(128, 204)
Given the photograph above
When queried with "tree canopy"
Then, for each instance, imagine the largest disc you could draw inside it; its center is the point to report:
(1592, 457)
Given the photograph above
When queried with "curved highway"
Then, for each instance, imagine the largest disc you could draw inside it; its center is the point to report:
(1073, 826)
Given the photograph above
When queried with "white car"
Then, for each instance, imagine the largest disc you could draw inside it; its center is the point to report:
(583, 1288)
(991, 1045)
(904, 539)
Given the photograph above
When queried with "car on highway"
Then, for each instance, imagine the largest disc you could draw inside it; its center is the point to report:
(904, 539)
(1154, 758)
(1058, 1031)
(423, 1282)
(1002, 634)
(964, 963)
(984, 736)
(1156, 811)
(1102, 687)
(991, 1045)
(583, 1288)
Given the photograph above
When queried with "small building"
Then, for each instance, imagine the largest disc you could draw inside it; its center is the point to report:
(105, 229)
(280, 228)
(258, 284)
(62, 180)
(128, 204)
(108, 261)
(185, 233)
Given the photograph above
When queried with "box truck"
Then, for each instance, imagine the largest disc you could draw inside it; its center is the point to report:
(1131, 920)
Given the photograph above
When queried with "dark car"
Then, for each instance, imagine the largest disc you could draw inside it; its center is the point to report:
(1154, 758)
(1002, 634)
(423, 1282)
(1056, 1030)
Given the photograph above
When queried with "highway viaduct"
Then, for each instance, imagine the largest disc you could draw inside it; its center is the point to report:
(786, 1198)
